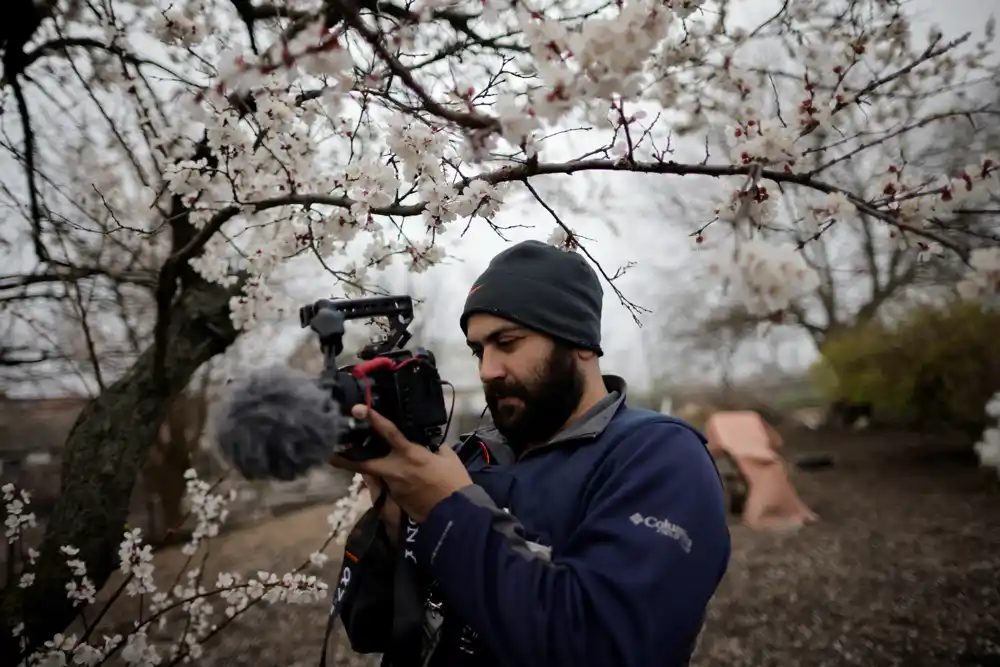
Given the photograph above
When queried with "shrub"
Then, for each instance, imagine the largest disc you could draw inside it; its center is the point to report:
(937, 366)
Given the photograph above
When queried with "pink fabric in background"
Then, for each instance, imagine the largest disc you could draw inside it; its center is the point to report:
(772, 502)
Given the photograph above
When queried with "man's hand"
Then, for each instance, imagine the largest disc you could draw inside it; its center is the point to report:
(417, 479)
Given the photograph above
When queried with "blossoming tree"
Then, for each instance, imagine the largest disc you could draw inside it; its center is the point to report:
(188, 153)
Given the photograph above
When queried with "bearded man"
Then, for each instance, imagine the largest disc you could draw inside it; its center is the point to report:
(573, 531)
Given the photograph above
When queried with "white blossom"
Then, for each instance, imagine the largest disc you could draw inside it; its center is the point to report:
(988, 447)
(765, 277)
(16, 518)
(189, 598)
(982, 280)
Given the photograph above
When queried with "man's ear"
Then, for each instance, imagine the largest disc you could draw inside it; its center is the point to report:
(585, 355)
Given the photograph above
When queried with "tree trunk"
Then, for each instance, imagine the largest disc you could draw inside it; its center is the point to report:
(168, 480)
(104, 453)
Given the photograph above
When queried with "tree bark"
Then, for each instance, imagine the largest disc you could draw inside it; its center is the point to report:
(162, 478)
(175, 452)
(105, 451)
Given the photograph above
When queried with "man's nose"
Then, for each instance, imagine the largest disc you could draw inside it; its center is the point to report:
(490, 367)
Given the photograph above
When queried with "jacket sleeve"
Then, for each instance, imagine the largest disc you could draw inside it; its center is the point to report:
(630, 587)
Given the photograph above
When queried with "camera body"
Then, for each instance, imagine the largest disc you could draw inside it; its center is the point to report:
(402, 385)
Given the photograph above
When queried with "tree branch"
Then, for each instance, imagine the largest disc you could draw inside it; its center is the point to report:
(633, 309)
(64, 44)
(526, 170)
(63, 273)
(470, 120)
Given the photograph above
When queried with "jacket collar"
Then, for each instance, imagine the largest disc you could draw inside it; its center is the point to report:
(590, 424)
(593, 422)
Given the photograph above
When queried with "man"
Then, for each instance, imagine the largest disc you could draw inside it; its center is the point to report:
(573, 532)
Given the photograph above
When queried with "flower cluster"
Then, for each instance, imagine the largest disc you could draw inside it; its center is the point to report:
(828, 209)
(912, 202)
(345, 514)
(766, 143)
(988, 448)
(209, 510)
(563, 239)
(764, 277)
(17, 519)
(325, 138)
(188, 602)
(982, 279)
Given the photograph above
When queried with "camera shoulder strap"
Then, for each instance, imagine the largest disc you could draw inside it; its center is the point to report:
(408, 587)
(359, 542)
(493, 453)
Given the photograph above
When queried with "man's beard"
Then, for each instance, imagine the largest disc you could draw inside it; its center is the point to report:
(544, 406)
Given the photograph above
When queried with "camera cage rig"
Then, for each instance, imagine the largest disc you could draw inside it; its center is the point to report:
(327, 317)
(423, 398)
(403, 385)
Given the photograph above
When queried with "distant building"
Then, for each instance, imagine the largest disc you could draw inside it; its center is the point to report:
(32, 435)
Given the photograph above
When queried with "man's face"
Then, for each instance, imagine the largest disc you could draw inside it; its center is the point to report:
(532, 384)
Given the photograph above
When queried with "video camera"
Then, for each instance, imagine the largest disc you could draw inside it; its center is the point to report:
(402, 385)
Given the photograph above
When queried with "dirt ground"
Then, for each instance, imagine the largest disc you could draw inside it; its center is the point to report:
(902, 569)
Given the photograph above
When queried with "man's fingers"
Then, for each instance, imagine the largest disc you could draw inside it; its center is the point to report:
(382, 426)
(372, 467)
(344, 464)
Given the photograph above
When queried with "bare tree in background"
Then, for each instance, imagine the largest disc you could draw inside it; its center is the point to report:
(695, 341)
(864, 268)
(92, 328)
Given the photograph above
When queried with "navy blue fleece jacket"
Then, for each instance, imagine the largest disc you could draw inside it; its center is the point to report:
(605, 548)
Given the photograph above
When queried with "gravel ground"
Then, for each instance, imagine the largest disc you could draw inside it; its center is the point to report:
(902, 569)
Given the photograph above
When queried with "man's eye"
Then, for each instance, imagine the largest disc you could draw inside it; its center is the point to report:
(507, 343)
(478, 354)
